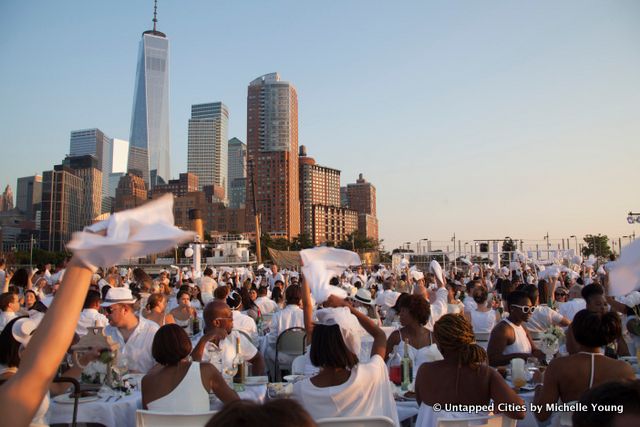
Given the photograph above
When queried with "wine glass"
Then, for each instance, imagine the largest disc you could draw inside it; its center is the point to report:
(549, 350)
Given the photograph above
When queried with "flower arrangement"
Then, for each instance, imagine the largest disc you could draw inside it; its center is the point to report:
(94, 373)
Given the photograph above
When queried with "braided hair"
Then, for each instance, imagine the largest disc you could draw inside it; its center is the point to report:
(454, 335)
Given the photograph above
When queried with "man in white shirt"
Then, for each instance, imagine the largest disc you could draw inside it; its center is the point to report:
(207, 285)
(90, 316)
(544, 316)
(218, 344)
(9, 307)
(274, 276)
(264, 303)
(133, 334)
(575, 303)
(388, 297)
(241, 322)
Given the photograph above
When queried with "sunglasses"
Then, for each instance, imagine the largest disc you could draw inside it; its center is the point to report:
(525, 308)
(109, 309)
(561, 295)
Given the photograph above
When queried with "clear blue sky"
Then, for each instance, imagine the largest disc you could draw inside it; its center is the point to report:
(483, 118)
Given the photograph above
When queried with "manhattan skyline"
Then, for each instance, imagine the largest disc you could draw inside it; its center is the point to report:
(485, 120)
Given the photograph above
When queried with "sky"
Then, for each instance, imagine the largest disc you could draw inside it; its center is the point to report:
(484, 119)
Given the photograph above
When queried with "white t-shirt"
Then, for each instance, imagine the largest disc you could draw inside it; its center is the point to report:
(542, 318)
(207, 286)
(470, 304)
(244, 323)
(90, 317)
(289, 317)
(367, 392)
(222, 355)
(483, 321)
(266, 305)
(6, 317)
(571, 307)
(137, 350)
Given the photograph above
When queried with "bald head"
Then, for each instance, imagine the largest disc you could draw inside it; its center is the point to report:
(214, 310)
(575, 292)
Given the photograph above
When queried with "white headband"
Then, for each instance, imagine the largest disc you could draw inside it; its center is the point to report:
(349, 327)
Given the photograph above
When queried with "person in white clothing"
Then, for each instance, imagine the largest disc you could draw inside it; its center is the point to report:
(133, 334)
(575, 303)
(241, 322)
(274, 276)
(207, 285)
(509, 339)
(218, 344)
(344, 387)
(90, 316)
(289, 317)
(180, 385)
(483, 318)
(264, 303)
(544, 316)
(9, 307)
(439, 300)
(388, 297)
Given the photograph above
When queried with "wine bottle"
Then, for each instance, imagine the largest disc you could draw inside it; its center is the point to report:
(195, 326)
(238, 363)
(407, 367)
(259, 323)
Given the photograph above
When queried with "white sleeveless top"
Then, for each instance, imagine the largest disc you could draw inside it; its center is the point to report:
(521, 344)
(427, 417)
(483, 321)
(189, 396)
(418, 356)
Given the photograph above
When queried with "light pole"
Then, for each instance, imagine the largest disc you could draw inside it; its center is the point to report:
(455, 261)
(576, 239)
(31, 242)
(408, 245)
(421, 240)
(546, 237)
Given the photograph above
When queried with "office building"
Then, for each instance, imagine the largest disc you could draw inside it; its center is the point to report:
(207, 145)
(29, 195)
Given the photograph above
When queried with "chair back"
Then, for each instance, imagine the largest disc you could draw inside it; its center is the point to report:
(163, 419)
(484, 421)
(355, 422)
(291, 341)
(297, 366)
(246, 335)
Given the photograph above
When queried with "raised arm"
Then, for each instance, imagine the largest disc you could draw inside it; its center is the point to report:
(307, 308)
(20, 396)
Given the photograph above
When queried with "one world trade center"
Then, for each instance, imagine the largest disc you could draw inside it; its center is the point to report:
(149, 145)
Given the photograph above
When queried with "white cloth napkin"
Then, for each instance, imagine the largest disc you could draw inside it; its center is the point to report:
(625, 271)
(321, 264)
(130, 234)
(436, 269)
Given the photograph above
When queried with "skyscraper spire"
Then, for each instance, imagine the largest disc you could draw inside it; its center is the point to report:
(155, 14)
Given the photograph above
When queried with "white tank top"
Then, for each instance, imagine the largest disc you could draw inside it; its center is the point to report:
(521, 344)
(189, 396)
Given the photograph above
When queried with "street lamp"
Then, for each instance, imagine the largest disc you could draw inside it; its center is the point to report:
(408, 245)
(576, 239)
(418, 244)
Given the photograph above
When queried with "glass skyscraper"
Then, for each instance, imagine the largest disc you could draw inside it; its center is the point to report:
(149, 145)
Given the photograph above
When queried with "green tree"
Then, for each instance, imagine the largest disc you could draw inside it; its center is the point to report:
(596, 245)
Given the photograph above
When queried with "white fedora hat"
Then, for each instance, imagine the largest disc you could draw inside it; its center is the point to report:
(118, 296)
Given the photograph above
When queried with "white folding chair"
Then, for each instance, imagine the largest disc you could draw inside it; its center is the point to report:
(164, 419)
(297, 366)
(484, 421)
(355, 422)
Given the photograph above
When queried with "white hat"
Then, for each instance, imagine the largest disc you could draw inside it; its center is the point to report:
(118, 296)
(24, 328)
(124, 272)
(363, 296)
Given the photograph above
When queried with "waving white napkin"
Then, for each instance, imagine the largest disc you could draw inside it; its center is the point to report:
(130, 234)
(320, 264)
(625, 271)
(350, 328)
(436, 269)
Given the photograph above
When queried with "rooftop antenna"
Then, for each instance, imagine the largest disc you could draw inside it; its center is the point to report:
(155, 14)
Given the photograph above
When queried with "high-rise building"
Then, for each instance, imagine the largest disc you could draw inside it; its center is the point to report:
(29, 195)
(86, 167)
(6, 199)
(130, 193)
(95, 143)
(149, 145)
(237, 173)
(323, 219)
(207, 145)
(272, 155)
(61, 215)
(362, 198)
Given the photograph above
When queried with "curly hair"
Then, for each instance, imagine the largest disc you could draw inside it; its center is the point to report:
(454, 335)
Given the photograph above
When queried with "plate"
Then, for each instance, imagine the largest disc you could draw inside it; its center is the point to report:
(292, 378)
(262, 380)
(67, 399)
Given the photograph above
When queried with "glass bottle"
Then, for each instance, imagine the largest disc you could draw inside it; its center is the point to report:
(407, 367)
(238, 363)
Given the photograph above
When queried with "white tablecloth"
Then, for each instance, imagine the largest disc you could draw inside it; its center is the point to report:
(120, 413)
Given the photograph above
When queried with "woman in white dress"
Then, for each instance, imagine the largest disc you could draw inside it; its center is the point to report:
(183, 313)
(462, 377)
(178, 385)
(414, 315)
(483, 318)
(344, 387)
(567, 378)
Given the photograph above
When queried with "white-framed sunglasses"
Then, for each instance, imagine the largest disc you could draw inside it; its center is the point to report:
(525, 308)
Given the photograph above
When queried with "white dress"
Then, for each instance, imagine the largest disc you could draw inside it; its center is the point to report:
(483, 321)
(521, 343)
(366, 393)
(189, 396)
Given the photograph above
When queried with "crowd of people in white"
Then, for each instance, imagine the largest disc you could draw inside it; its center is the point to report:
(367, 321)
